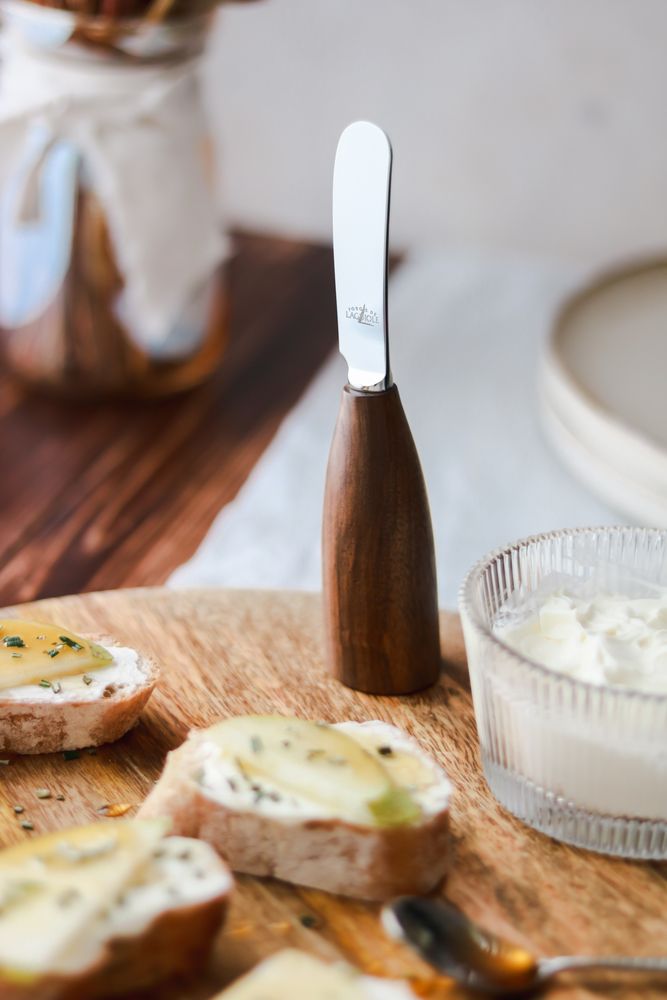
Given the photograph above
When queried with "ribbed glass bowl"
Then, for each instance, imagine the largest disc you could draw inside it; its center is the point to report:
(584, 763)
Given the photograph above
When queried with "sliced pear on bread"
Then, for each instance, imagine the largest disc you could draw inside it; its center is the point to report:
(73, 903)
(316, 762)
(354, 808)
(31, 653)
(62, 691)
(294, 975)
(53, 886)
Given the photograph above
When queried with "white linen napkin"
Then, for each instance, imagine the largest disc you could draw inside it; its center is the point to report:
(466, 333)
(138, 131)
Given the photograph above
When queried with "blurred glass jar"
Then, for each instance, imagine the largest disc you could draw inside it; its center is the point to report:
(111, 258)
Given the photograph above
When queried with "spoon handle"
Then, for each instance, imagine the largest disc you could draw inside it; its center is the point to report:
(549, 967)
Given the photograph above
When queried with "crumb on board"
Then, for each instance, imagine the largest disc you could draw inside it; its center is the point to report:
(115, 809)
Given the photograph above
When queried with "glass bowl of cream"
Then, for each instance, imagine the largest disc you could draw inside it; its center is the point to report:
(566, 637)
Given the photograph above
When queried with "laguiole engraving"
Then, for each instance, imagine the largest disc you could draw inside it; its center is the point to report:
(362, 315)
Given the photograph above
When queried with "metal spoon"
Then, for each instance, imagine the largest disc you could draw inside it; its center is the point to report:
(479, 960)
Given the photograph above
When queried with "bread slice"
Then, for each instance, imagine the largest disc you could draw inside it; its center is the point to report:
(262, 831)
(159, 924)
(294, 975)
(74, 713)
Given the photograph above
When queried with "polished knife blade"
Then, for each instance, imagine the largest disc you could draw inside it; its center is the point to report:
(361, 198)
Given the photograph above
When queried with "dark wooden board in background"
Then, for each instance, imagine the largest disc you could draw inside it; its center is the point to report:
(94, 497)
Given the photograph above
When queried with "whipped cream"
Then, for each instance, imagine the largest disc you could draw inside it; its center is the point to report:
(603, 639)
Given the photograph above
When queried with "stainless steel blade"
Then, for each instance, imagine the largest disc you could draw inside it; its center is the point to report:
(361, 197)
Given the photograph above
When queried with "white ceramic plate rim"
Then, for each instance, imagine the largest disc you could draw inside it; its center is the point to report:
(620, 464)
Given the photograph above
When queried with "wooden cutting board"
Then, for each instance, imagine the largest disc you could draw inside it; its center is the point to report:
(230, 652)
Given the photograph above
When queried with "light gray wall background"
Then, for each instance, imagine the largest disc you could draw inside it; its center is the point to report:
(537, 125)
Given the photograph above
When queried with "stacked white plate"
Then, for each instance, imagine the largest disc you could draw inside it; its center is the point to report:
(604, 389)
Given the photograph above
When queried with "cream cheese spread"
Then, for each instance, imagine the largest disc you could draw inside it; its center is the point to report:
(604, 639)
(123, 672)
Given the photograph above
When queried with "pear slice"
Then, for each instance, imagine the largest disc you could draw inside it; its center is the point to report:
(316, 762)
(52, 887)
(31, 652)
(398, 808)
(301, 977)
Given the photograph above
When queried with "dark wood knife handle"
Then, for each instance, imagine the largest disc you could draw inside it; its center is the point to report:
(379, 579)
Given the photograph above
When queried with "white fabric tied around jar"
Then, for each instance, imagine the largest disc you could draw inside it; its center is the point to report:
(137, 131)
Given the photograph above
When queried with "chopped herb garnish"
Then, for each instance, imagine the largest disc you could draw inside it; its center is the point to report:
(27, 825)
(14, 640)
(87, 679)
(16, 656)
(308, 920)
(70, 642)
(45, 684)
(4, 763)
(57, 687)
(71, 754)
(52, 652)
(42, 793)
(19, 809)
(60, 797)
(256, 744)
(385, 751)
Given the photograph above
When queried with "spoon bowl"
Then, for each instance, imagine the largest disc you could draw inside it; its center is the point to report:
(453, 944)
(479, 960)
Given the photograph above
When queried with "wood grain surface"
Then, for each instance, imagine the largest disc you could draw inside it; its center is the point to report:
(381, 633)
(226, 652)
(106, 495)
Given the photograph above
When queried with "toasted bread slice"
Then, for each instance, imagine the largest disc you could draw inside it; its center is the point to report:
(265, 828)
(80, 710)
(128, 920)
(294, 975)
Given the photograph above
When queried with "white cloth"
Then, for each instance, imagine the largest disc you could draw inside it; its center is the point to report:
(138, 130)
(466, 331)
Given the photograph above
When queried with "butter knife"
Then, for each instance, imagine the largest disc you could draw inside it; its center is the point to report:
(379, 579)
